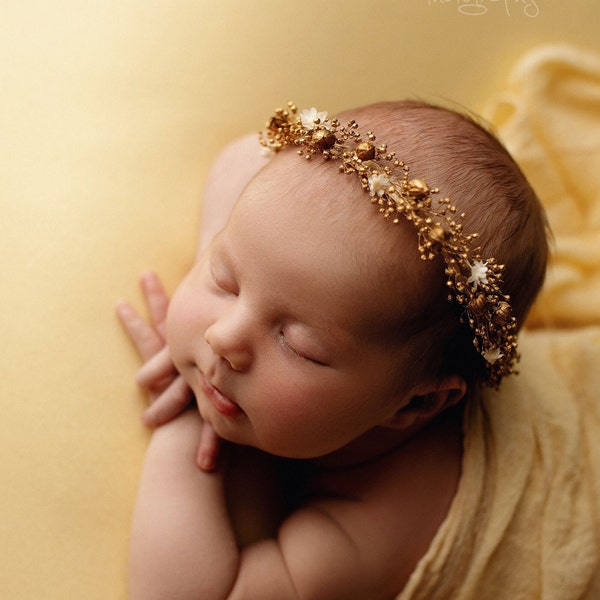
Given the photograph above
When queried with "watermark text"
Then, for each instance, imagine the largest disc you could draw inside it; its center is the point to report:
(476, 8)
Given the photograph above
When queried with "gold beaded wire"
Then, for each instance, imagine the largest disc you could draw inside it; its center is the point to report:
(472, 282)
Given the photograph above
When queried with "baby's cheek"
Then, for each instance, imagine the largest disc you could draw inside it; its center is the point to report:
(179, 321)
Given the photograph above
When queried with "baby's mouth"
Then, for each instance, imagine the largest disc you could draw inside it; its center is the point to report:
(224, 405)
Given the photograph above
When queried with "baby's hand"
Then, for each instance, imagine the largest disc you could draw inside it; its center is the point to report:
(168, 391)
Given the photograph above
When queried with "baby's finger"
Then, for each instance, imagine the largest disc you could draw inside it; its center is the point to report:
(169, 404)
(157, 300)
(208, 450)
(147, 341)
(156, 370)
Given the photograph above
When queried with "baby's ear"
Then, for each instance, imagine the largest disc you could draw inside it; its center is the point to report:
(428, 401)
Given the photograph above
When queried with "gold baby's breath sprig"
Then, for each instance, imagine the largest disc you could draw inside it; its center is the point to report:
(472, 281)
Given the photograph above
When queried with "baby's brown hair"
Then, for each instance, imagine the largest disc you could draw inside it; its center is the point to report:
(457, 154)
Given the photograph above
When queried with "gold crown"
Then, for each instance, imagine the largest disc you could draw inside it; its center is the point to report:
(473, 282)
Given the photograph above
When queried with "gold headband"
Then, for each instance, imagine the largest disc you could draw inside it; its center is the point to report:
(473, 282)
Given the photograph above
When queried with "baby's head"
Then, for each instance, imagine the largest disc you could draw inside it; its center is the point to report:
(311, 320)
(467, 164)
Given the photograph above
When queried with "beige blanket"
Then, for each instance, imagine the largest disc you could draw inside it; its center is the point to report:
(525, 523)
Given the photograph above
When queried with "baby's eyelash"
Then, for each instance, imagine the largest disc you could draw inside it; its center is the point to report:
(285, 342)
(227, 286)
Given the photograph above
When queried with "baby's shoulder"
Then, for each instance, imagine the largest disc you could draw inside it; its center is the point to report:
(393, 506)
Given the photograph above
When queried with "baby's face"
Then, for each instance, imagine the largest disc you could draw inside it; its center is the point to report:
(277, 329)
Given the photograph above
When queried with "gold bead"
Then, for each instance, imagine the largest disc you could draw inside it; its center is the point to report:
(323, 139)
(277, 122)
(365, 151)
(503, 313)
(478, 305)
(417, 188)
(438, 234)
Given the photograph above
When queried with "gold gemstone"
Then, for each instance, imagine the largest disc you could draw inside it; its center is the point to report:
(438, 234)
(323, 139)
(417, 188)
(503, 313)
(365, 151)
(478, 304)
(277, 122)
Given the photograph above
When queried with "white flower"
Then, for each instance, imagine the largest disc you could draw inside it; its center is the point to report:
(478, 273)
(309, 116)
(378, 184)
(492, 355)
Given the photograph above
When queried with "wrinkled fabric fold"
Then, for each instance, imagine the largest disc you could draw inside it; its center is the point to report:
(548, 116)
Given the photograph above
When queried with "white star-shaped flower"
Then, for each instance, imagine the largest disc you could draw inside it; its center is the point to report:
(309, 116)
(378, 184)
(478, 273)
(492, 355)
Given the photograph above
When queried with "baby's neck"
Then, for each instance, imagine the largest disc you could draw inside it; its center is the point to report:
(380, 441)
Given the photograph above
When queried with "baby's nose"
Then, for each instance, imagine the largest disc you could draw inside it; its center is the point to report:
(229, 344)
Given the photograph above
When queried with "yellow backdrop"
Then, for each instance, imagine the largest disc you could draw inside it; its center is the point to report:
(111, 112)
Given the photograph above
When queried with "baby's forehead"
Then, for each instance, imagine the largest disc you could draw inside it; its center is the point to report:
(318, 186)
(286, 172)
(338, 215)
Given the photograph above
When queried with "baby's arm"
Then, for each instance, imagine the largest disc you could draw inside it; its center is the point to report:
(183, 543)
(182, 546)
(233, 169)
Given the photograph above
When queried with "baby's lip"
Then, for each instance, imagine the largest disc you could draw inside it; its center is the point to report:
(222, 403)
